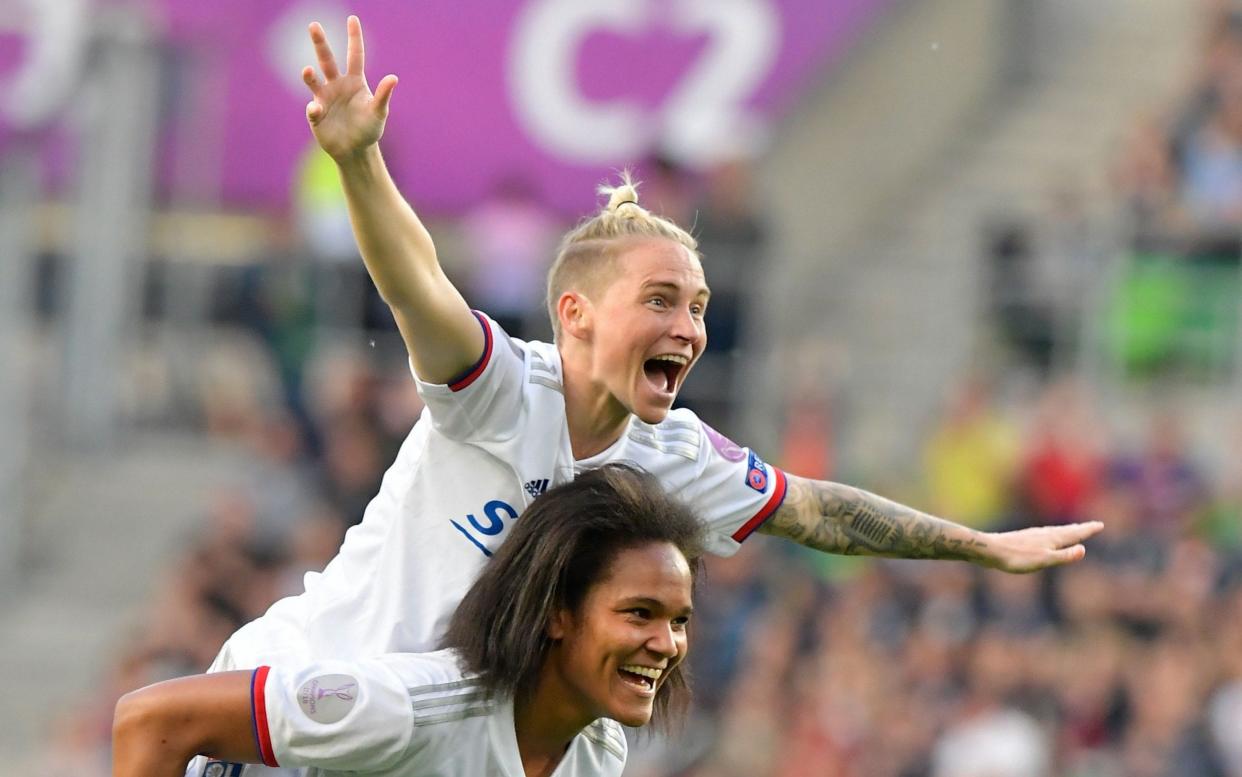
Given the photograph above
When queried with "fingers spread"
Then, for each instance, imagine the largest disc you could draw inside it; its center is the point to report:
(383, 93)
(327, 62)
(354, 53)
(311, 81)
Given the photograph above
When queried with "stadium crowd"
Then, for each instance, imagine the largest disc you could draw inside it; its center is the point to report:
(1129, 663)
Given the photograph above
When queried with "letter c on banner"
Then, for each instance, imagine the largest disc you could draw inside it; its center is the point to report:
(543, 80)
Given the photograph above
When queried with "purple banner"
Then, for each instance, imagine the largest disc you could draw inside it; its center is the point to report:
(556, 93)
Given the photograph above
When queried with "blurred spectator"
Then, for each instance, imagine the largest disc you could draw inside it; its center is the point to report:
(276, 300)
(341, 286)
(1146, 178)
(1169, 489)
(1212, 158)
(733, 238)
(971, 459)
(1064, 462)
(991, 737)
(512, 240)
(668, 189)
(1023, 321)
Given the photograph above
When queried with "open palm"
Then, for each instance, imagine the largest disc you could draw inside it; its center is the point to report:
(344, 115)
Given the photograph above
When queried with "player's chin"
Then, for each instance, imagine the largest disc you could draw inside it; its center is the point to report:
(652, 414)
(632, 715)
(653, 407)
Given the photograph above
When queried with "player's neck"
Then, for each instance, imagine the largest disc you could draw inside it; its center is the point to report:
(596, 419)
(544, 726)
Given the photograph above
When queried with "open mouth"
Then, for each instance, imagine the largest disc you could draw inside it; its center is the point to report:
(643, 678)
(662, 371)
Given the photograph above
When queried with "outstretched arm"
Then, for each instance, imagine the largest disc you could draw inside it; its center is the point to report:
(158, 729)
(440, 333)
(836, 518)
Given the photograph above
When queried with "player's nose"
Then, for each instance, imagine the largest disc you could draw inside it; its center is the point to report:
(686, 326)
(662, 640)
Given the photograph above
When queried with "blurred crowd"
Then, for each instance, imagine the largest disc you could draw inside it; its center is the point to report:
(1180, 172)
(1056, 282)
(1128, 664)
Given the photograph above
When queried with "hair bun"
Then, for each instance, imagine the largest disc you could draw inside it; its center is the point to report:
(625, 193)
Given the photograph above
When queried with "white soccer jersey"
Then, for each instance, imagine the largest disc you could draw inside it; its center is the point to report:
(485, 447)
(404, 715)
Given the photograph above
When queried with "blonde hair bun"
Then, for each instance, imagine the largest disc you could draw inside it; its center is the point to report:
(625, 193)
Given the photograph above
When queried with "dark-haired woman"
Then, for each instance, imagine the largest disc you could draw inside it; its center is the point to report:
(576, 626)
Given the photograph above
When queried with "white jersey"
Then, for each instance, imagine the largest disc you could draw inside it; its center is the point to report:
(485, 447)
(404, 715)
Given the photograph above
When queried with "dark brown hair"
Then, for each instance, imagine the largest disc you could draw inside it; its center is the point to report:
(559, 548)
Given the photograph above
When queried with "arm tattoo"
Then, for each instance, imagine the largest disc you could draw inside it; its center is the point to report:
(840, 519)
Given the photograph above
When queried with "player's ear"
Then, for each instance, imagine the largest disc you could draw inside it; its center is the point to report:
(576, 315)
(558, 624)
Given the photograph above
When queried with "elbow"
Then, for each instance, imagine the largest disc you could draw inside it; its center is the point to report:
(144, 732)
(128, 718)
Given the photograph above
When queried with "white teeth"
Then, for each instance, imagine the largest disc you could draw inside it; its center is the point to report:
(672, 357)
(645, 671)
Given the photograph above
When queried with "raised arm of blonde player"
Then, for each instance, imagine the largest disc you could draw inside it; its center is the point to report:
(158, 729)
(837, 518)
(442, 335)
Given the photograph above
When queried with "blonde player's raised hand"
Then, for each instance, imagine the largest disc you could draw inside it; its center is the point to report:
(345, 116)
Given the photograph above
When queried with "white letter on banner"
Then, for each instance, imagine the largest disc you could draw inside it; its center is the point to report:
(543, 80)
(705, 119)
(56, 41)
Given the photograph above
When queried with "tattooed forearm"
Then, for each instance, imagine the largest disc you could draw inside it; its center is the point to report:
(841, 519)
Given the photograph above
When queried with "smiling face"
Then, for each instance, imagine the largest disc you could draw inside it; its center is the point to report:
(612, 656)
(648, 326)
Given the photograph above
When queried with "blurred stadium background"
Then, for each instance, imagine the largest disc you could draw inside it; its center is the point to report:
(978, 255)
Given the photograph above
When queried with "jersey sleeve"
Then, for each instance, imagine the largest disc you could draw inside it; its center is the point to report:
(735, 490)
(344, 716)
(485, 401)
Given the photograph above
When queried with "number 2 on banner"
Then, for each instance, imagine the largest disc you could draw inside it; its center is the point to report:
(704, 117)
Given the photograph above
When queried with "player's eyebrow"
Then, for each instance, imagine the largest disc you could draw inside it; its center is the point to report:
(674, 288)
(655, 604)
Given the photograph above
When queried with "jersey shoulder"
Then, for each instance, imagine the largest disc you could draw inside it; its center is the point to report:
(607, 739)
(543, 365)
(437, 676)
(442, 695)
(679, 434)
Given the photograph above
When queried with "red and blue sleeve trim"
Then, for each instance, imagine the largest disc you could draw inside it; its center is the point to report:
(773, 504)
(472, 374)
(258, 713)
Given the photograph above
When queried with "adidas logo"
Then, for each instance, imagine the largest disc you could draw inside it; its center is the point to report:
(537, 486)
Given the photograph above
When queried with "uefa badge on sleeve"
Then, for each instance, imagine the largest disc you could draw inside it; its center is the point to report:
(757, 474)
(328, 698)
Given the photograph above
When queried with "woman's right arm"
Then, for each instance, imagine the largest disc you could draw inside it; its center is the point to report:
(157, 730)
(443, 337)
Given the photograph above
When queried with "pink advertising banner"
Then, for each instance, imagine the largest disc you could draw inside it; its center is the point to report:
(556, 93)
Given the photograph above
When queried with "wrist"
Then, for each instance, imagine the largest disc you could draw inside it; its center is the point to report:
(364, 161)
(984, 544)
